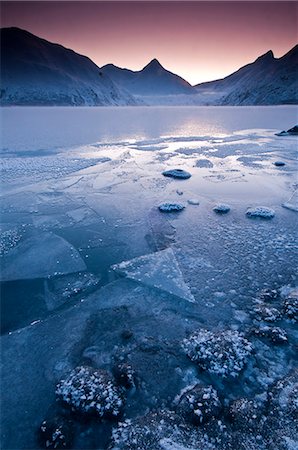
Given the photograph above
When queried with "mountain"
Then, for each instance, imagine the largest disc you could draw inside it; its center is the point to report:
(152, 80)
(266, 81)
(37, 72)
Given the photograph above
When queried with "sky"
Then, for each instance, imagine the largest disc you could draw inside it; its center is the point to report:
(200, 41)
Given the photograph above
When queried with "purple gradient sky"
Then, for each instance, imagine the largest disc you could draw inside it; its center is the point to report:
(200, 41)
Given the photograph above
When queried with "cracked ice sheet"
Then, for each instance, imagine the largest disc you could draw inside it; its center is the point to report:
(44, 352)
(160, 270)
(39, 257)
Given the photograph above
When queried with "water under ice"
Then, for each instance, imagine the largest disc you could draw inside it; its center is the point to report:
(89, 199)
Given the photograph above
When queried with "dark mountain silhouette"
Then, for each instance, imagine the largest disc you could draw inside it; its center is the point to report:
(266, 81)
(35, 71)
(153, 79)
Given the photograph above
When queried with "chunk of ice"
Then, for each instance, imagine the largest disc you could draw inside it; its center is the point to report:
(41, 256)
(177, 173)
(221, 208)
(171, 207)
(159, 270)
(261, 211)
(193, 201)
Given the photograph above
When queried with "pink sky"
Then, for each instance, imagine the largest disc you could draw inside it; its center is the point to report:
(200, 41)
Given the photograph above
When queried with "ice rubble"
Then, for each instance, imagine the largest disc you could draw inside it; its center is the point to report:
(274, 334)
(161, 430)
(89, 390)
(260, 211)
(41, 256)
(245, 414)
(171, 207)
(223, 353)
(159, 270)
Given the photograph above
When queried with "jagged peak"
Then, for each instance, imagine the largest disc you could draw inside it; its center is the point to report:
(154, 64)
(268, 56)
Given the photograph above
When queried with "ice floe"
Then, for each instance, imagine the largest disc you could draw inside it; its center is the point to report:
(159, 270)
(41, 256)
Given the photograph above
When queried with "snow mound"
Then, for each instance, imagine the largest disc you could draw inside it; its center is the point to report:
(89, 390)
(41, 256)
(224, 353)
(177, 173)
(221, 208)
(199, 404)
(260, 211)
(159, 270)
(171, 207)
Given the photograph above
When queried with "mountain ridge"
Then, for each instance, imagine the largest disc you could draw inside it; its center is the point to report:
(35, 71)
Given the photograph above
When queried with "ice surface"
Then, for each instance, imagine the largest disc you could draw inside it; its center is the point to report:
(160, 270)
(41, 256)
(88, 182)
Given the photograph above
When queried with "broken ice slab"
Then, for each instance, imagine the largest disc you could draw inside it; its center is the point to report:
(60, 290)
(41, 256)
(292, 203)
(159, 270)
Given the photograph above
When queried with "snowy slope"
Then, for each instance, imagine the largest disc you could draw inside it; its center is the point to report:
(266, 81)
(37, 72)
(152, 80)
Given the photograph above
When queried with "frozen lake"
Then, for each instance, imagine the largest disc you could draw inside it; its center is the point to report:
(86, 254)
